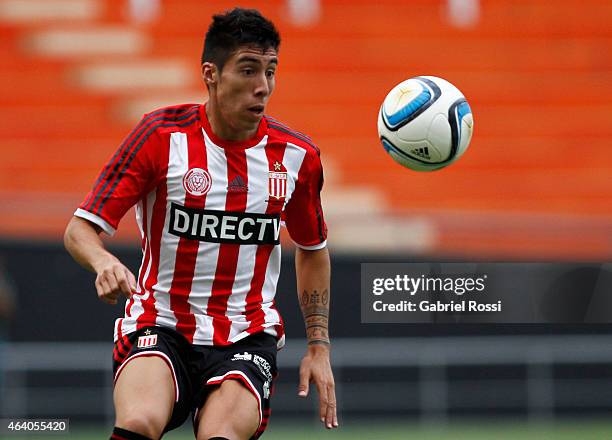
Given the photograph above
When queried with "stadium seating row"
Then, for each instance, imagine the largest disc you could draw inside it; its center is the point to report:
(537, 75)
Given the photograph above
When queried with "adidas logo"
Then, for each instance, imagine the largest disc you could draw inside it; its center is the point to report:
(237, 185)
(422, 152)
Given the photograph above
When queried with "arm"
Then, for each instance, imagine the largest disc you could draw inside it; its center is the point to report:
(82, 241)
(125, 180)
(313, 282)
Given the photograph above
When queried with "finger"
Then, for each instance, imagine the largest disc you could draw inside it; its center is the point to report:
(105, 293)
(122, 281)
(124, 286)
(331, 419)
(110, 278)
(104, 288)
(323, 401)
(304, 381)
(131, 280)
(335, 422)
(108, 288)
(99, 289)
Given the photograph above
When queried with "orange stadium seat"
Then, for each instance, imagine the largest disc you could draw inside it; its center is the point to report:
(537, 74)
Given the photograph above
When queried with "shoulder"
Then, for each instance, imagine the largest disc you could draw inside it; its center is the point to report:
(151, 134)
(284, 133)
(171, 117)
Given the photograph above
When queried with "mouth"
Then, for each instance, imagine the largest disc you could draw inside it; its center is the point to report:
(257, 110)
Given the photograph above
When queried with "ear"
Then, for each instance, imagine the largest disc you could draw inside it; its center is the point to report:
(209, 74)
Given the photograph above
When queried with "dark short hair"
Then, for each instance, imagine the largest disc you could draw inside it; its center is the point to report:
(235, 28)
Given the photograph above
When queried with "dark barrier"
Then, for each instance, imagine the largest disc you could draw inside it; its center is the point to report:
(56, 299)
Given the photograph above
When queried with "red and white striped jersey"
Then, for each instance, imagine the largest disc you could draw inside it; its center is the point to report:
(209, 212)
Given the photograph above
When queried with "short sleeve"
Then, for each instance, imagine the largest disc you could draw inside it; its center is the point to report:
(125, 179)
(303, 214)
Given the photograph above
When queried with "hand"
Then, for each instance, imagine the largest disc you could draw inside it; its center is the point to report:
(113, 280)
(315, 367)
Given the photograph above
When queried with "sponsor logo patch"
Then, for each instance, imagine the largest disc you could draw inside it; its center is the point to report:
(242, 357)
(224, 226)
(263, 366)
(266, 390)
(261, 363)
(197, 181)
(237, 185)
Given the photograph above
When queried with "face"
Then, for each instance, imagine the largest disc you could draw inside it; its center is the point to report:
(240, 92)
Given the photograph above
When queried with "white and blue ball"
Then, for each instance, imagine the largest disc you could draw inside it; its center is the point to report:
(425, 123)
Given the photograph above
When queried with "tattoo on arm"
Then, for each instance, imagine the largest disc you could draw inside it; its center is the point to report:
(315, 308)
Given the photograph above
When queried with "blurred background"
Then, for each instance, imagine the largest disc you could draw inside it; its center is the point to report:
(535, 185)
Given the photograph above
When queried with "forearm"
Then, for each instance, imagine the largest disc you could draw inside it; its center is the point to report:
(82, 241)
(313, 282)
(84, 244)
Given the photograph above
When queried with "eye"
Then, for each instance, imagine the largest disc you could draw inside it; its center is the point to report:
(248, 71)
(270, 73)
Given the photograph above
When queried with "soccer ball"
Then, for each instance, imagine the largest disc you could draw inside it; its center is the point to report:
(425, 123)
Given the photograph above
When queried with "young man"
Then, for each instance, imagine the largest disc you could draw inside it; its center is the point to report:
(211, 184)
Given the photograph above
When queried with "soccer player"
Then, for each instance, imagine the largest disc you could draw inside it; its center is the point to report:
(211, 184)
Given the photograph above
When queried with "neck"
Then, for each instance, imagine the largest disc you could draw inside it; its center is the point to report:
(223, 128)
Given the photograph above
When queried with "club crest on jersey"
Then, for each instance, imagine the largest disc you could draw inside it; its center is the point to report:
(148, 340)
(197, 181)
(277, 182)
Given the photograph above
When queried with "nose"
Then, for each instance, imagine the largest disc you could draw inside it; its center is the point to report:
(262, 88)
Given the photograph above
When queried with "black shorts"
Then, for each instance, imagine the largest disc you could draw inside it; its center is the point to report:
(196, 369)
